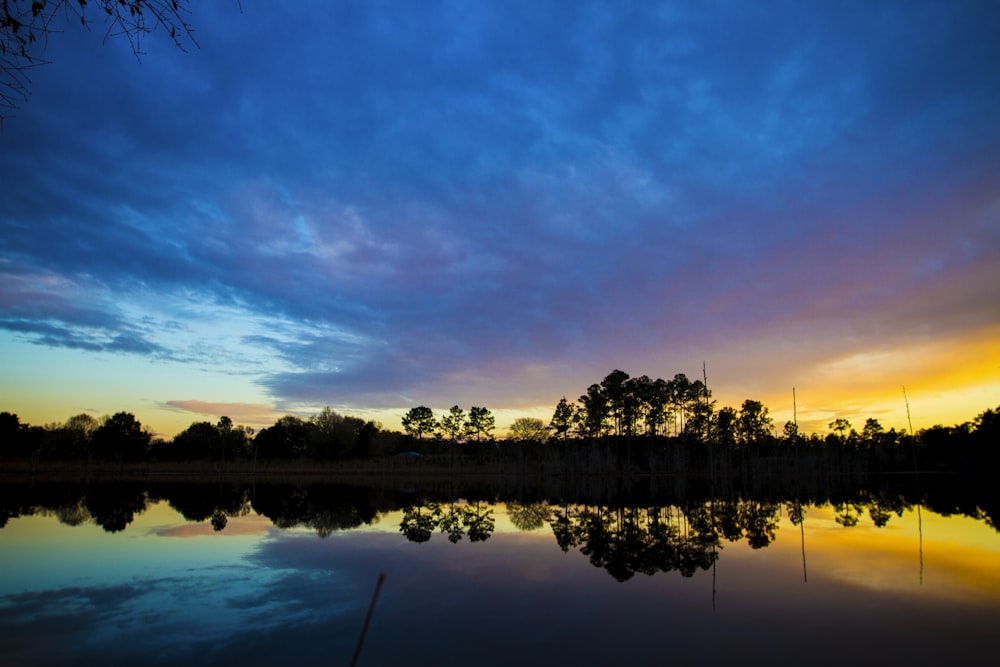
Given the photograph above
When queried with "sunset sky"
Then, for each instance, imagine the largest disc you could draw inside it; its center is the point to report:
(378, 205)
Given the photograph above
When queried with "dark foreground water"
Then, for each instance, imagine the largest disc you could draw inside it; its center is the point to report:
(716, 582)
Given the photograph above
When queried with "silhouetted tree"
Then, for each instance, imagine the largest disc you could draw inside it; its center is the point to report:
(528, 428)
(697, 408)
(790, 431)
(13, 443)
(336, 436)
(872, 431)
(840, 426)
(594, 411)
(680, 397)
(562, 419)
(480, 423)
(753, 423)
(453, 423)
(657, 406)
(614, 390)
(699, 421)
(288, 438)
(234, 439)
(724, 426)
(121, 438)
(81, 429)
(418, 421)
(200, 440)
(637, 404)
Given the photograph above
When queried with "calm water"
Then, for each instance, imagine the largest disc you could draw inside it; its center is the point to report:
(526, 584)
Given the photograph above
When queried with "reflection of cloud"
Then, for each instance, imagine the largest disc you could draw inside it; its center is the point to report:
(247, 525)
(204, 617)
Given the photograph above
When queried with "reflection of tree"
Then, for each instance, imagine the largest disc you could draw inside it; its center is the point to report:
(198, 502)
(753, 519)
(797, 515)
(566, 531)
(704, 530)
(419, 522)
(325, 507)
(882, 508)
(452, 522)
(880, 515)
(219, 521)
(848, 514)
(113, 506)
(730, 519)
(596, 535)
(630, 540)
(74, 514)
(760, 521)
(476, 519)
(479, 521)
(191, 501)
(530, 516)
(622, 540)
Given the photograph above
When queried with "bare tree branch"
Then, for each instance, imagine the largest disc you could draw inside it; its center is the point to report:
(26, 25)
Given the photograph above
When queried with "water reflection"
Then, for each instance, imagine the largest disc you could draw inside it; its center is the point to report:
(453, 519)
(283, 572)
(624, 538)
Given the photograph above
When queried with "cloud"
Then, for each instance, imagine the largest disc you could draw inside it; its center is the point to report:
(434, 204)
(240, 413)
(50, 310)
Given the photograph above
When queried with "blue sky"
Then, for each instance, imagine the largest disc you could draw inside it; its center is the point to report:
(379, 205)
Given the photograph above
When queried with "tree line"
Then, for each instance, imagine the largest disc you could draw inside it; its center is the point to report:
(621, 423)
(121, 438)
(624, 406)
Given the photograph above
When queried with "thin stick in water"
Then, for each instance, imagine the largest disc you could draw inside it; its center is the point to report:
(368, 618)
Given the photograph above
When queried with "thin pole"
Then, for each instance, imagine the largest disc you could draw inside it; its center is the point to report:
(916, 477)
(368, 618)
(802, 532)
(795, 438)
(908, 420)
(711, 472)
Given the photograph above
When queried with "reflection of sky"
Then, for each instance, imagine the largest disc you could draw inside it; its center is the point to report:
(951, 559)
(257, 595)
(66, 588)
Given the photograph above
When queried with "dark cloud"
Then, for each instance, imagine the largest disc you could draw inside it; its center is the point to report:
(57, 335)
(404, 196)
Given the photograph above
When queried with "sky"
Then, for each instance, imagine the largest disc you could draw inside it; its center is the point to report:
(373, 206)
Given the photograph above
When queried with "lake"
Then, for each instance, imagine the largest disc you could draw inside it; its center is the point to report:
(260, 574)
